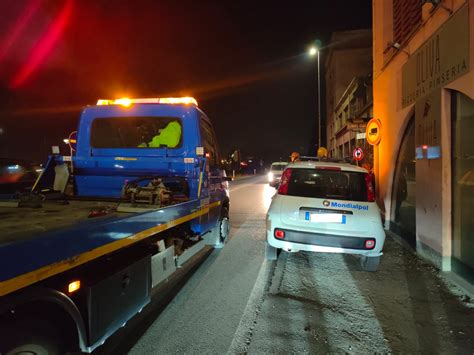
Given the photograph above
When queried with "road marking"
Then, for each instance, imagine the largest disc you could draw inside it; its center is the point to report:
(243, 333)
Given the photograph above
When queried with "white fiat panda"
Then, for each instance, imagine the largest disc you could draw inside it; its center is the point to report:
(326, 207)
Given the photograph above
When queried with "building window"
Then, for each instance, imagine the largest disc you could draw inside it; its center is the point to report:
(406, 18)
(462, 261)
(403, 221)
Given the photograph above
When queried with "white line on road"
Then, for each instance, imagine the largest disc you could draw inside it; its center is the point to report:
(247, 323)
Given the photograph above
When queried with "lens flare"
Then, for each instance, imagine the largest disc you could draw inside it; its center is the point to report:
(44, 46)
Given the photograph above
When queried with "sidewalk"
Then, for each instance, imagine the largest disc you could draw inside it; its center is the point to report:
(324, 303)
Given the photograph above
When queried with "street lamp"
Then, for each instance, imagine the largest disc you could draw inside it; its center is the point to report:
(315, 51)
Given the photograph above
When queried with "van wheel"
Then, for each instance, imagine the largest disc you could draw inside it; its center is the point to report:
(222, 229)
(271, 253)
(370, 263)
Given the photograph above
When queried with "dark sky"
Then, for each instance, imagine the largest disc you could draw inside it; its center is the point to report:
(243, 60)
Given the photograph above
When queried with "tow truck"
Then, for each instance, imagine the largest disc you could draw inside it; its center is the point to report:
(82, 251)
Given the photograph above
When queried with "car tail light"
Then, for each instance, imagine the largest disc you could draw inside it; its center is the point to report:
(370, 188)
(369, 244)
(285, 180)
(279, 234)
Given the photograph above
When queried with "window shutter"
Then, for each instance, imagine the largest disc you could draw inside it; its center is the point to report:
(406, 17)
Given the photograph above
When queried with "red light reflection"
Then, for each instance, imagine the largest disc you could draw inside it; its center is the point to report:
(44, 45)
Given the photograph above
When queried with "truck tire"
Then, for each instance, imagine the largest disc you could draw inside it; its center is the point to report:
(222, 229)
(271, 253)
(370, 263)
(42, 339)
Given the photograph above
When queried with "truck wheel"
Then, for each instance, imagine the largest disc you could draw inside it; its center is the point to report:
(270, 252)
(38, 341)
(370, 263)
(222, 228)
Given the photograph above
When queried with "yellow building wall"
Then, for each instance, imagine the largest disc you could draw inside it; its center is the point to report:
(387, 92)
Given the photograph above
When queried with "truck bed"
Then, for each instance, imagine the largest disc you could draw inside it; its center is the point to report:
(17, 224)
(39, 243)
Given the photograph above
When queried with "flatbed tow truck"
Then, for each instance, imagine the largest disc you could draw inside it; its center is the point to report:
(81, 253)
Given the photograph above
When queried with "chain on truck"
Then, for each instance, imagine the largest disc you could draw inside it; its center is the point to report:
(82, 251)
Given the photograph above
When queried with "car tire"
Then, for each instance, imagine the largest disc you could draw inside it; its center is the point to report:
(271, 253)
(370, 263)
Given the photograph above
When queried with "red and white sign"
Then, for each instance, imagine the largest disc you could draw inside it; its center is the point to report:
(358, 154)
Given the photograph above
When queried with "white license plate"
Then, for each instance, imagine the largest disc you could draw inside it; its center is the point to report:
(325, 217)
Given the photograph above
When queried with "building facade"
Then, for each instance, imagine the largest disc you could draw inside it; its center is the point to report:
(351, 114)
(348, 67)
(423, 92)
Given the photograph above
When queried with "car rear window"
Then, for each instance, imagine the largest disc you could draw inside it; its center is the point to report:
(330, 184)
(278, 167)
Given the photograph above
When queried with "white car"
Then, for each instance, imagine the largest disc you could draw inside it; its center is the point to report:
(276, 170)
(326, 207)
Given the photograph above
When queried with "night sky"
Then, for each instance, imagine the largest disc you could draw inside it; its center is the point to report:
(244, 61)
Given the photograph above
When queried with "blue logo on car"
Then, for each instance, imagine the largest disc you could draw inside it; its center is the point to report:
(350, 205)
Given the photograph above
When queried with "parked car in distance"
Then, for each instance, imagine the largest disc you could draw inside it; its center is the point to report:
(17, 175)
(326, 207)
(274, 175)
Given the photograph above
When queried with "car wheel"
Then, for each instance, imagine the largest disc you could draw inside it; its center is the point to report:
(271, 253)
(370, 263)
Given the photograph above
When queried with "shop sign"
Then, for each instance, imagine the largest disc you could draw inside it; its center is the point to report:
(428, 127)
(373, 131)
(443, 58)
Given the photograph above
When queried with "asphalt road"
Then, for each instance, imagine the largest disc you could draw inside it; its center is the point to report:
(205, 315)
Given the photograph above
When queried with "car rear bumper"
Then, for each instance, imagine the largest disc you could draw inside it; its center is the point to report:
(326, 243)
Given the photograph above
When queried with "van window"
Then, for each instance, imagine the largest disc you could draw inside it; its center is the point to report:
(208, 140)
(136, 132)
(329, 184)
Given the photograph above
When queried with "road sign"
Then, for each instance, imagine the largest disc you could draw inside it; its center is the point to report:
(358, 154)
(373, 131)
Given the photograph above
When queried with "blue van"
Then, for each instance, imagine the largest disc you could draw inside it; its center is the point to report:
(116, 144)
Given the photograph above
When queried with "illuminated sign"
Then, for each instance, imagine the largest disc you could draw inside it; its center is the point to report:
(428, 126)
(443, 58)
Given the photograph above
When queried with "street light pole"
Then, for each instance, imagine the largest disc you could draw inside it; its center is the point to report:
(319, 104)
(312, 51)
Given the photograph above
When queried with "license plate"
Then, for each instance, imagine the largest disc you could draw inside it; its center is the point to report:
(325, 217)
